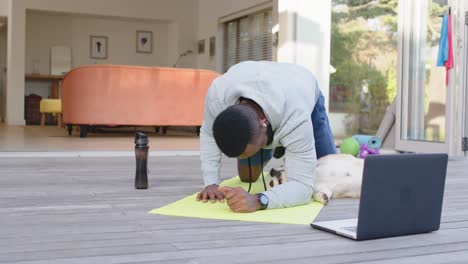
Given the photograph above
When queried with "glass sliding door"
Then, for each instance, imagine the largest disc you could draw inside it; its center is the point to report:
(364, 52)
(423, 96)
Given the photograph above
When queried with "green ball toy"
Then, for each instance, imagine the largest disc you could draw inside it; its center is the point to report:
(350, 146)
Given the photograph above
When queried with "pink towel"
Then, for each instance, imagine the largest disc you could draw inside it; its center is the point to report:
(449, 62)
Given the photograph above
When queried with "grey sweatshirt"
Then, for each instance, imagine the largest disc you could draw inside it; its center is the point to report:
(287, 94)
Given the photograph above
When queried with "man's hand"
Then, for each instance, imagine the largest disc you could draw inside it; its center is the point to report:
(211, 192)
(239, 200)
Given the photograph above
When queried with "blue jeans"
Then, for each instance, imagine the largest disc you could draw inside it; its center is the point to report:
(324, 142)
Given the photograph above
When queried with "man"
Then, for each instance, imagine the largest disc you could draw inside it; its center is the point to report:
(251, 110)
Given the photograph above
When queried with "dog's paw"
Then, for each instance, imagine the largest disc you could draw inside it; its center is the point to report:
(274, 181)
(276, 172)
(321, 197)
(282, 178)
(278, 176)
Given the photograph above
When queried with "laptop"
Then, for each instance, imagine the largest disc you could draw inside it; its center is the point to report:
(400, 195)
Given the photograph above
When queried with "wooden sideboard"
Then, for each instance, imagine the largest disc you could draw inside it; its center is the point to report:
(54, 79)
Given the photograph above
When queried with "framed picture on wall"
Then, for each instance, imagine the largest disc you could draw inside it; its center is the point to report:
(201, 46)
(212, 46)
(98, 47)
(144, 42)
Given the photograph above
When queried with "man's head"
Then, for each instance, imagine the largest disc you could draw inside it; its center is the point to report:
(239, 131)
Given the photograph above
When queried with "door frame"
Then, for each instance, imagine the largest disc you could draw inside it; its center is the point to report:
(462, 118)
(3, 65)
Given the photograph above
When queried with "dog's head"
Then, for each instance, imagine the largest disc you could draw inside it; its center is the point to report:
(278, 176)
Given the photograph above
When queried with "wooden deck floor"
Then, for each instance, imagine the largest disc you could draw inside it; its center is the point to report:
(85, 210)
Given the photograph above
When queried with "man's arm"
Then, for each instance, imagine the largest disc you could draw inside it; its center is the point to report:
(300, 163)
(210, 157)
(210, 154)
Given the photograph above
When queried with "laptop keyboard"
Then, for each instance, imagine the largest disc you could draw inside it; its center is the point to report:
(351, 228)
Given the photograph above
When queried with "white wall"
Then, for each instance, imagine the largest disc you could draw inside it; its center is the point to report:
(209, 13)
(45, 29)
(4, 4)
(304, 37)
(182, 15)
(74, 31)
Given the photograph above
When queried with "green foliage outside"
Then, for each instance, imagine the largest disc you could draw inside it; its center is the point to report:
(364, 57)
(364, 53)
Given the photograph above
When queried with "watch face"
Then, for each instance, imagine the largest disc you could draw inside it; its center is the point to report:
(263, 200)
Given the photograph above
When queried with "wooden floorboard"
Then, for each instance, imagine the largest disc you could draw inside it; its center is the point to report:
(85, 210)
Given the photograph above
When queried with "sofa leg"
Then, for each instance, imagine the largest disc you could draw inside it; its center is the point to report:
(198, 130)
(70, 129)
(158, 128)
(83, 131)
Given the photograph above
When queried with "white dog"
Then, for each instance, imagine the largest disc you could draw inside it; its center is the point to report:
(337, 175)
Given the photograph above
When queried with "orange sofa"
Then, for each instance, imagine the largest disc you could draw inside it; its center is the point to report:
(118, 95)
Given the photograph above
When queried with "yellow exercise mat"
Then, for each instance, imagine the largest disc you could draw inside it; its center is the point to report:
(190, 207)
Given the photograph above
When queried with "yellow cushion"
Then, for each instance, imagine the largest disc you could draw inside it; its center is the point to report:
(51, 106)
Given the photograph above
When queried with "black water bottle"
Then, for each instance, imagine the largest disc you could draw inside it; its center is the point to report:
(141, 156)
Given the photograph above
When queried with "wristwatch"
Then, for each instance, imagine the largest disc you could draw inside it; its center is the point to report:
(262, 200)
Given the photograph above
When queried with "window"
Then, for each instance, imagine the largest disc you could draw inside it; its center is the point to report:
(247, 38)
